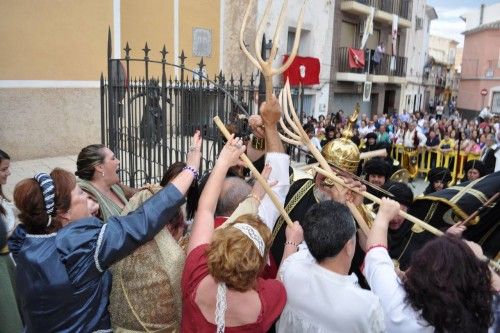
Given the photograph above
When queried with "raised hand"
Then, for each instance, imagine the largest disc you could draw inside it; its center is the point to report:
(388, 210)
(257, 126)
(270, 112)
(257, 190)
(294, 233)
(194, 154)
(351, 196)
(230, 154)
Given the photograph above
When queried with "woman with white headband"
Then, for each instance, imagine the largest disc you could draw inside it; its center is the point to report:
(221, 288)
(63, 253)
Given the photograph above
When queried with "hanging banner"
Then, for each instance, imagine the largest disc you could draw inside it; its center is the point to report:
(367, 91)
(303, 70)
(368, 30)
(356, 58)
(395, 19)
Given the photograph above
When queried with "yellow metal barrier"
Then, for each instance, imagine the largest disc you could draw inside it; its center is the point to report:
(434, 158)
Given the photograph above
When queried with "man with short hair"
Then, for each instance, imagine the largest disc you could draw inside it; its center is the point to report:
(404, 117)
(321, 295)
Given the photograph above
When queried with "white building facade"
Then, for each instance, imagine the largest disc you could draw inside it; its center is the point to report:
(315, 41)
(417, 44)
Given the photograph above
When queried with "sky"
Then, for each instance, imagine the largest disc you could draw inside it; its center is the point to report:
(449, 24)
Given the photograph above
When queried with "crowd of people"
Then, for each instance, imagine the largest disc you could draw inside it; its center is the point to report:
(84, 253)
(419, 131)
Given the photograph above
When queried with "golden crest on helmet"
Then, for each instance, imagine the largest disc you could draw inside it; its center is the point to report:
(342, 152)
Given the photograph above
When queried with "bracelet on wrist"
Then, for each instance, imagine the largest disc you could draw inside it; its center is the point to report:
(258, 143)
(375, 246)
(292, 244)
(195, 173)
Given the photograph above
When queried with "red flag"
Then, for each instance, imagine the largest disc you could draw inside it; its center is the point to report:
(303, 70)
(356, 58)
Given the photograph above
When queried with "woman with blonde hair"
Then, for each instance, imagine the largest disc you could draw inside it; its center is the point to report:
(223, 266)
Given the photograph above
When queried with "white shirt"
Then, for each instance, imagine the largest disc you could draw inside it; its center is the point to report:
(280, 164)
(383, 281)
(485, 114)
(315, 141)
(408, 139)
(363, 131)
(319, 300)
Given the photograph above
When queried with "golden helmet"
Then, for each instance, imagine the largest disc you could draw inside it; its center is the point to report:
(343, 153)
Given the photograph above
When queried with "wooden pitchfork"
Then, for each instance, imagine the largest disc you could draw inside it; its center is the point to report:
(266, 66)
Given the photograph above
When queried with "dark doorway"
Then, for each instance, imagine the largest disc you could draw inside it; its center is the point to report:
(390, 97)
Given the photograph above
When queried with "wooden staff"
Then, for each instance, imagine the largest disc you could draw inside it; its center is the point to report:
(377, 200)
(402, 213)
(478, 211)
(256, 174)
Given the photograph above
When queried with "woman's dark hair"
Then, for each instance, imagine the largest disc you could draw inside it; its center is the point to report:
(28, 198)
(3, 156)
(88, 158)
(453, 289)
(193, 193)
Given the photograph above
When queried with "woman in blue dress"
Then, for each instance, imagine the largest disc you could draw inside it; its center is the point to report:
(63, 253)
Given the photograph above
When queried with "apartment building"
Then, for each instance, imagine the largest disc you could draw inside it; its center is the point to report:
(417, 44)
(386, 81)
(480, 78)
(440, 75)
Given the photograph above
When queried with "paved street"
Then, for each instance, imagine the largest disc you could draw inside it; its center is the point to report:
(27, 168)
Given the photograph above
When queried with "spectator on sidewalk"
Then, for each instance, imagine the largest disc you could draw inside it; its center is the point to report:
(377, 57)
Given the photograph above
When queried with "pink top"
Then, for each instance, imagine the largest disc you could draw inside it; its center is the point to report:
(271, 293)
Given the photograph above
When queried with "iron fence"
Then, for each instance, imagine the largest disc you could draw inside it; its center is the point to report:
(148, 121)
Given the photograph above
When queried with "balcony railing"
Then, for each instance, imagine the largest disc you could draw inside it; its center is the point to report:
(401, 8)
(383, 68)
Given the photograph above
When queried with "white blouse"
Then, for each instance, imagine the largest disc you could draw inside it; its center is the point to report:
(319, 300)
(384, 282)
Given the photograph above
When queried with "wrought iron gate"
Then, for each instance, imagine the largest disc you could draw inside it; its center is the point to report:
(148, 121)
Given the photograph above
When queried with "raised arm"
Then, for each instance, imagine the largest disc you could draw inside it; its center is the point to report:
(121, 235)
(203, 227)
(276, 157)
(271, 114)
(378, 233)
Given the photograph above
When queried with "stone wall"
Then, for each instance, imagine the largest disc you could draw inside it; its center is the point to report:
(235, 62)
(48, 122)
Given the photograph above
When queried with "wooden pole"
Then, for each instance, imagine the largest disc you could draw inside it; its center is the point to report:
(256, 174)
(495, 265)
(476, 213)
(377, 200)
